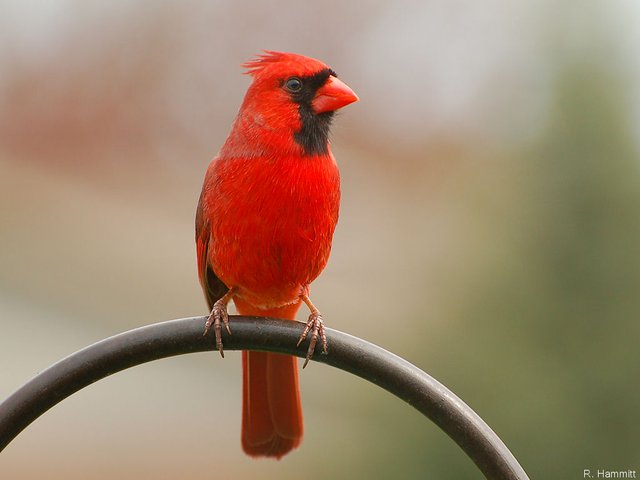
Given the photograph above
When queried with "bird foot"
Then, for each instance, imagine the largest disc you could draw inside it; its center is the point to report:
(314, 325)
(218, 317)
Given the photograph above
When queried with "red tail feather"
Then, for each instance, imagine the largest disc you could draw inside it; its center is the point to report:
(271, 408)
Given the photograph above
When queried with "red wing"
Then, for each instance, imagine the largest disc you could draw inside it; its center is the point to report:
(212, 286)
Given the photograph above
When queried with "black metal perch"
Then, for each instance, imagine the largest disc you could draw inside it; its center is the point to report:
(346, 352)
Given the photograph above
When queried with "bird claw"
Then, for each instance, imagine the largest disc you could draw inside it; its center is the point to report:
(218, 317)
(314, 325)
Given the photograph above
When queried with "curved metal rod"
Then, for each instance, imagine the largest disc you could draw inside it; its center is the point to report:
(348, 353)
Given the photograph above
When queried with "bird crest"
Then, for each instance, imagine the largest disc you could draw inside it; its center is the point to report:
(255, 65)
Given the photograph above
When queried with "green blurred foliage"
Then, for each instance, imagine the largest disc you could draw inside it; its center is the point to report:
(547, 339)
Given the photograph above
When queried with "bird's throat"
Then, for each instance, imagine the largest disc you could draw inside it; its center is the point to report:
(313, 135)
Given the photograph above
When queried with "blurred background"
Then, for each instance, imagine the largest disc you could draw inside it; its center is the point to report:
(490, 178)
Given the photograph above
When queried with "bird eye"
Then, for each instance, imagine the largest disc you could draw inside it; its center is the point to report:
(293, 84)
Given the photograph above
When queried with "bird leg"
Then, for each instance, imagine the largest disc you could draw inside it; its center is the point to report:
(316, 327)
(219, 316)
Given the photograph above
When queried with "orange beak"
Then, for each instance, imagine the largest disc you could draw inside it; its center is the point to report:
(334, 94)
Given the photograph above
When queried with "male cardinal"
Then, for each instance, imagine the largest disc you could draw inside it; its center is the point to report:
(264, 226)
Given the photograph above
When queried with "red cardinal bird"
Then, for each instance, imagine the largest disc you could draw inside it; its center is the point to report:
(264, 226)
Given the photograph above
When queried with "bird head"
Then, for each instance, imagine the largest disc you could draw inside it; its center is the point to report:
(290, 103)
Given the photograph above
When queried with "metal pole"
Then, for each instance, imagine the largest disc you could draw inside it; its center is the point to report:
(346, 352)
